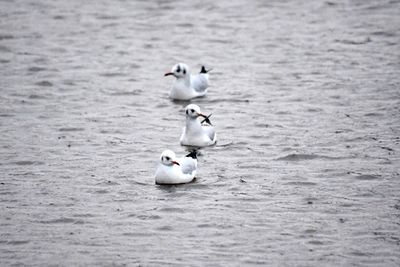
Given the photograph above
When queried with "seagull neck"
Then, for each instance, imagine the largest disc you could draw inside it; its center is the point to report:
(192, 123)
(185, 80)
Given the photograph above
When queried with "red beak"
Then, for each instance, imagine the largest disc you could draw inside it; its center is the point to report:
(175, 162)
(168, 73)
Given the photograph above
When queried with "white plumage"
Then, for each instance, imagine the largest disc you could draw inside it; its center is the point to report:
(188, 86)
(172, 170)
(196, 133)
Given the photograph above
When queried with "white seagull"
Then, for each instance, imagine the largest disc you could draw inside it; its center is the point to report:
(187, 86)
(196, 133)
(172, 170)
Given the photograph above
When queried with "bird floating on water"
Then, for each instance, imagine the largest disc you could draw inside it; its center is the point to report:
(173, 170)
(188, 86)
(197, 133)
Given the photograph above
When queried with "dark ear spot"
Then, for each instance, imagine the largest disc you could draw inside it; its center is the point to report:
(187, 112)
(184, 71)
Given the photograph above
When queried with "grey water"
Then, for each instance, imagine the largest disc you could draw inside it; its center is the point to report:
(305, 97)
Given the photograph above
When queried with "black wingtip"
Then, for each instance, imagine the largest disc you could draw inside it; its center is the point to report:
(203, 70)
(192, 154)
(207, 120)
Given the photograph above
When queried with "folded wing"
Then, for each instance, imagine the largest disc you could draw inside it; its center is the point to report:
(188, 165)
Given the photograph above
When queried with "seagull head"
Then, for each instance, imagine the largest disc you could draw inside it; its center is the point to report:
(193, 111)
(180, 70)
(168, 158)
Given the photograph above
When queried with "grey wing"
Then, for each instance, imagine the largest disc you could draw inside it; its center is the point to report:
(188, 165)
(199, 82)
(210, 131)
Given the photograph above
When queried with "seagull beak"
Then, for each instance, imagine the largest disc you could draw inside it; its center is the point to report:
(202, 115)
(168, 73)
(175, 162)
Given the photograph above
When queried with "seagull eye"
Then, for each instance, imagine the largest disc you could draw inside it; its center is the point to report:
(192, 110)
(178, 69)
(167, 158)
(184, 71)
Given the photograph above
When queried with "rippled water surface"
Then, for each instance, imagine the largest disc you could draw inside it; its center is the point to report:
(305, 97)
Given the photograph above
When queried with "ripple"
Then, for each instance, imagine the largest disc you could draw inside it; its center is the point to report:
(18, 242)
(145, 217)
(354, 42)
(302, 184)
(106, 17)
(5, 115)
(300, 157)
(171, 210)
(387, 148)
(262, 125)
(219, 41)
(137, 234)
(215, 226)
(62, 220)
(126, 93)
(315, 110)
(71, 129)
(44, 83)
(359, 253)
(84, 215)
(35, 96)
(36, 69)
(6, 37)
(102, 191)
(366, 177)
(384, 33)
(4, 48)
(28, 162)
(310, 231)
(316, 242)
(112, 74)
(373, 114)
(233, 100)
(165, 228)
(59, 17)
(185, 25)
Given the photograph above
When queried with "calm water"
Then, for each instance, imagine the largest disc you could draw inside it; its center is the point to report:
(305, 96)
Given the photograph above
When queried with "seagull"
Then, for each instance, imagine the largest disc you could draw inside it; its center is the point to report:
(188, 86)
(172, 170)
(196, 133)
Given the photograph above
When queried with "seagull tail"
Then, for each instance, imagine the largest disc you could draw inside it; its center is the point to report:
(204, 71)
(192, 154)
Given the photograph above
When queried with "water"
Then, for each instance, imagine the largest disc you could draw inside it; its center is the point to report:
(305, 98)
